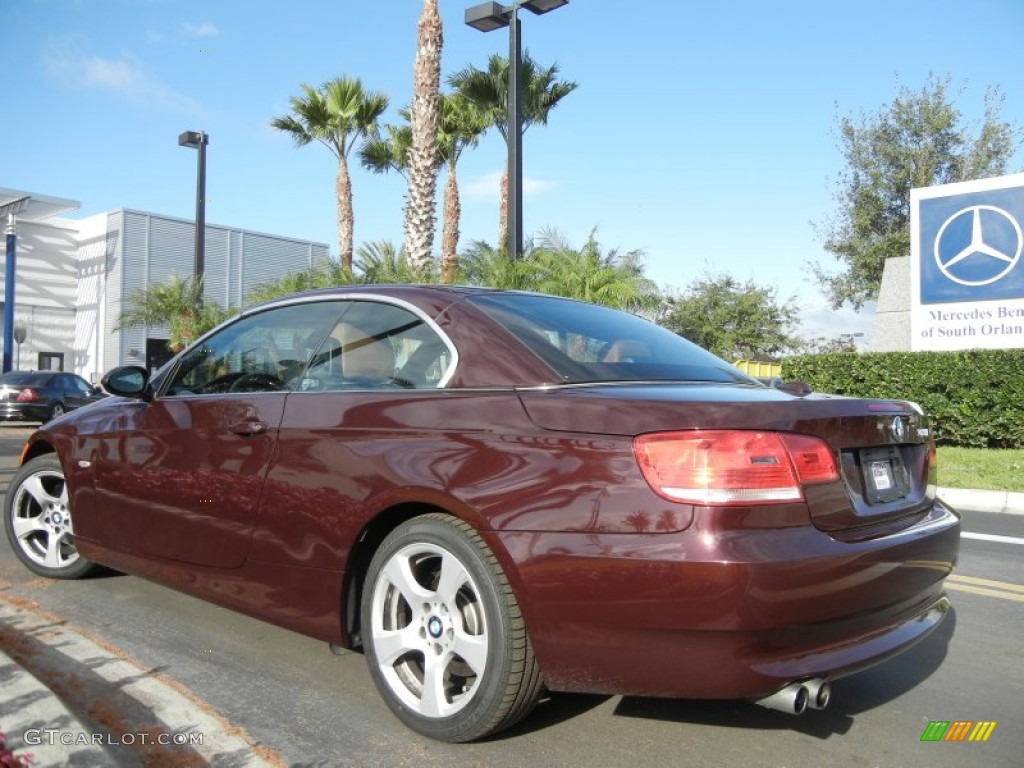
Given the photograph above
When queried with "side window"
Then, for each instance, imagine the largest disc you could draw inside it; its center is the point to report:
(378, 346)
(266, 352)
(79, 386)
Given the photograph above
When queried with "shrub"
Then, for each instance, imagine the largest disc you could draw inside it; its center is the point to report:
(974, 397)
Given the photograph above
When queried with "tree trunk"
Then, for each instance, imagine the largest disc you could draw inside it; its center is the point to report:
(421, 204)
(343, 191)
(450, 232)
(503, 216)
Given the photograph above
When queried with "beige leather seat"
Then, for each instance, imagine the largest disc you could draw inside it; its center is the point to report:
(364, 360)
(625, 351)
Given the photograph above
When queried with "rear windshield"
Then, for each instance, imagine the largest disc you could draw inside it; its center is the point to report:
(586, 343)
(22, 378)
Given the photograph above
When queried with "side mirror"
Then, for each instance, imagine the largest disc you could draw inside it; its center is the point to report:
(128, 381)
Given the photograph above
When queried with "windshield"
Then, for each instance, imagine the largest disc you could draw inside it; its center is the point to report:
(586, 343)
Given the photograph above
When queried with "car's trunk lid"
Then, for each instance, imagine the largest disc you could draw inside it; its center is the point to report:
(882, 448)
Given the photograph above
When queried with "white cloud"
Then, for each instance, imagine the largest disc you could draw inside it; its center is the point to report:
(206, 29)
(488, 187)
(71, 67)
(819, 320)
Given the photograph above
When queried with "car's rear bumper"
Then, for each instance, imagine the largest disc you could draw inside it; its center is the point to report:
(23, 412)
(711, 613)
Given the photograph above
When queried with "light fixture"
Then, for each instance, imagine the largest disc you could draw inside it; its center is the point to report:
(487, 17)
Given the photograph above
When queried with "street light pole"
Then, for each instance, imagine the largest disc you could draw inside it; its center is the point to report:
(9, 273)
(487, 17)
(198, 140)
(515, 138)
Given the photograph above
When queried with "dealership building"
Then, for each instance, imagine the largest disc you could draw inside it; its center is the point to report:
(72, 277)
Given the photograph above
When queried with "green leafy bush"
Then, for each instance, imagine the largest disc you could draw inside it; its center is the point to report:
(975, 397)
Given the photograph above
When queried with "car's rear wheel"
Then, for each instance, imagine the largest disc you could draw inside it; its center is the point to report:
(443, 634)
(37, 517)
(57, 410)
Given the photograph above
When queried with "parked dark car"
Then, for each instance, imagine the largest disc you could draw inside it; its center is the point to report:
(492, 493)
(43, 395)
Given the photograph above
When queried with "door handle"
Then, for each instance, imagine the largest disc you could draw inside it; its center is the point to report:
(248, 428)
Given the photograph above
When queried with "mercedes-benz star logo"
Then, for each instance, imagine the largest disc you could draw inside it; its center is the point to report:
(983, 219)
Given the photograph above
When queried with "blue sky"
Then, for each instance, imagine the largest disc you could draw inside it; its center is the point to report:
(701, 133)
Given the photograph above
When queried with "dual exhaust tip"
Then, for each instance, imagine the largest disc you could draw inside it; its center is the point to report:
(795, 698)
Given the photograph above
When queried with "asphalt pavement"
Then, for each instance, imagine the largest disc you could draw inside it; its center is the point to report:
(67, 699)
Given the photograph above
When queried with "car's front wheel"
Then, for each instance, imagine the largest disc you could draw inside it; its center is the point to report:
(37, 517)
(443, 634)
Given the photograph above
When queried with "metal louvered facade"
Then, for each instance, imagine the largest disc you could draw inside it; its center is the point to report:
(129, 250)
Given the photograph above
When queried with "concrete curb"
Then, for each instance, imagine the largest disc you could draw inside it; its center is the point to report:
(78, 702)
(29, 712)
(1007, 502)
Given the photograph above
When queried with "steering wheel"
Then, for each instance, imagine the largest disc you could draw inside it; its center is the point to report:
(256, 382)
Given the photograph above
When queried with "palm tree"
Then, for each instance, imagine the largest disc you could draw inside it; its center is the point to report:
(177, 305)
(613, 279)
(541, 92)
(321, 276)
(460, 126)
(480, 264)
(388, 150)
(338, 115)
(424, 115)
(383, 262)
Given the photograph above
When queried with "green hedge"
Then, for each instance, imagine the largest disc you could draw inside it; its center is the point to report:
(975, 397)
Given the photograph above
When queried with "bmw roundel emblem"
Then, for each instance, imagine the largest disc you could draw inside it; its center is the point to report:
(899, 429)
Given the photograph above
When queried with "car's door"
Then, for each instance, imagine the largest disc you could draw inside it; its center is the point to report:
(345, 422)
(181, 476)
(76, 390)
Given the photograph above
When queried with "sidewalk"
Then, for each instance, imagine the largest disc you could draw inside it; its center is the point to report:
(1006, 502)
(71, 701)
(28, 709)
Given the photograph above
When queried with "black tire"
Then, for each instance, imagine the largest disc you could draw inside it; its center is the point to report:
(37, 518)
(487, 677)
(57, 410)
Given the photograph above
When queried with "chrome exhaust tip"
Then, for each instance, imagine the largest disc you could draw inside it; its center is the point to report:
(792, 699)
(819, 693)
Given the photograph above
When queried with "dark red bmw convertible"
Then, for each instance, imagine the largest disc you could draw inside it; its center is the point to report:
(492, 493)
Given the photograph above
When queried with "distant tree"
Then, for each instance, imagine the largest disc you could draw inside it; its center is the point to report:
(338, 115)
(324, 275)
(176, 304)
(918, 140)
(488, 89)
(424, 117)
(734, 320)
(822, 345)
(377, 262)
(610, 278)
(551, 265)
(480, 264)
(383, 262)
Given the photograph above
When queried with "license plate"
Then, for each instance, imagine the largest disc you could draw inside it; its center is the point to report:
(881, 475)
(885, 477)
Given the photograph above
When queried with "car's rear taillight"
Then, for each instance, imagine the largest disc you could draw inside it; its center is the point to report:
(27, 395)
(734, 466)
